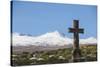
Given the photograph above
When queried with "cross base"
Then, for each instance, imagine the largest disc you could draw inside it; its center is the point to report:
(77, 57)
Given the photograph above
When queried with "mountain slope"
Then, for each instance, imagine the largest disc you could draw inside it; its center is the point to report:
(48, 39)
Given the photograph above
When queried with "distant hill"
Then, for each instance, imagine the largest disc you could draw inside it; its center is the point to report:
(49, 41)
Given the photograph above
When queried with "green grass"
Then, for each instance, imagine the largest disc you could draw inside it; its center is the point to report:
(54, 56)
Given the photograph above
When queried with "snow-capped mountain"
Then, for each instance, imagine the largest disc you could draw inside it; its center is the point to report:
(90, 40)
(48, 39)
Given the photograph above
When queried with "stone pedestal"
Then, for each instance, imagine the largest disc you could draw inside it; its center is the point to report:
(77, 57)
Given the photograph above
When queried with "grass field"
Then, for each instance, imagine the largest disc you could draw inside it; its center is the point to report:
(89, 53)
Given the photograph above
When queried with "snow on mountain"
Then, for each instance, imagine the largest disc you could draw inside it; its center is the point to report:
(90, 40)
(48, 39)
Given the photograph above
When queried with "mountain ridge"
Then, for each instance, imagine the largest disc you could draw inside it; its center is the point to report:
(48, 39)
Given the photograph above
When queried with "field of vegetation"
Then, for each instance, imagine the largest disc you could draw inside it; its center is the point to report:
(89, 53)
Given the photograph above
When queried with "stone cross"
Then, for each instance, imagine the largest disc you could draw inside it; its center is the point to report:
(76, 50)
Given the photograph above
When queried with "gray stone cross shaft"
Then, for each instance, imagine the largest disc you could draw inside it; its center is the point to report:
(76, 30)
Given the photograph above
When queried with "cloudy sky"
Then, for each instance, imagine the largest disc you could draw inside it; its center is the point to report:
(37, 18)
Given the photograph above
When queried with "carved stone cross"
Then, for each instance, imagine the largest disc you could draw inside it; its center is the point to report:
(76, 50)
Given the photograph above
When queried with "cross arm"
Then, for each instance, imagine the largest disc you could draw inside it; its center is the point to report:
(72, 30)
